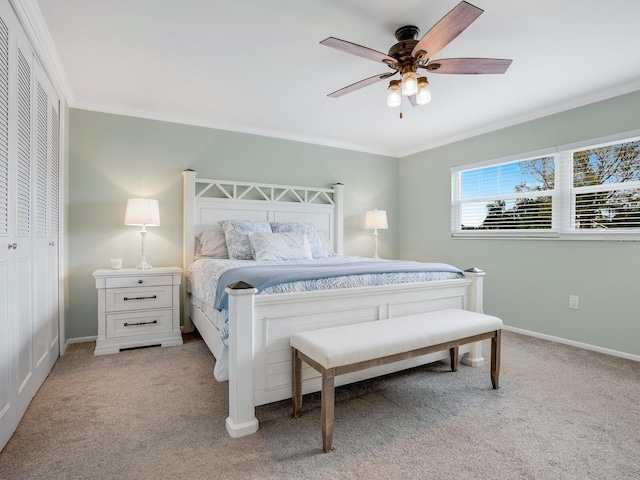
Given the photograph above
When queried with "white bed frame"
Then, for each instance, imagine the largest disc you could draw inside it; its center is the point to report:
(260, 325)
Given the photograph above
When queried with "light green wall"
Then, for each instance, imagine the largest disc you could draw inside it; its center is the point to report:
(112, 158)
(528, 282)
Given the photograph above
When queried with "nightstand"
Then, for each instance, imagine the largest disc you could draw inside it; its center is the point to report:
(138, 308)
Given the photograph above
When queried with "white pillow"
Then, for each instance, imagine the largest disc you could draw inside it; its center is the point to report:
(315, 242)
(236, 233)
(213, 245)
(281, 246)
(326, 243)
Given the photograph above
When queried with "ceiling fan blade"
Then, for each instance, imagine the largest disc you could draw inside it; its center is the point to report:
(469, 65)
(355, 49)
(361, 84)
(448, 28)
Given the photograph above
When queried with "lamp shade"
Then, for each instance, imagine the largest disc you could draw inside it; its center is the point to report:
(375, 219)
(142, 211)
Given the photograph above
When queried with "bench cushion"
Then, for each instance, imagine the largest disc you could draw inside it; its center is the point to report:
(348, 344)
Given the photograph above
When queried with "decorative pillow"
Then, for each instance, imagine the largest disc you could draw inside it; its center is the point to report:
(326, 243)
(281, 246)
(317, 250)
(236, 233)
(213, 245)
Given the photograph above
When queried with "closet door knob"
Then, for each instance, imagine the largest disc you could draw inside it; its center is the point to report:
(13, 245)
(52, 244)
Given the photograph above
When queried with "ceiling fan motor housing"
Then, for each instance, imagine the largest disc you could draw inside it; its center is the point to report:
(401, 51)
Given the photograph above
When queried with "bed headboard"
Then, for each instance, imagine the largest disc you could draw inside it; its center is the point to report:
(205, 202)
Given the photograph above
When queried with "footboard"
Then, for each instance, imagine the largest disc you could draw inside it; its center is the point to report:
(260, 327)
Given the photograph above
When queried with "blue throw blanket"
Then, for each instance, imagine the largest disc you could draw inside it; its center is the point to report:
(262, 277)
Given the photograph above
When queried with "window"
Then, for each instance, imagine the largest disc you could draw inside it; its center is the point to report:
(606, 186)
(581, 191)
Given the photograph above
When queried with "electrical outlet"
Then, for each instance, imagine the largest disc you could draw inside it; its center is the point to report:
(574, 302)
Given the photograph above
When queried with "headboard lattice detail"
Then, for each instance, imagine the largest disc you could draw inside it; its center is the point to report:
(206, 188)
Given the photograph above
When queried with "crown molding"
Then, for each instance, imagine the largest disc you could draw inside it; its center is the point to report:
(545, 111)
(228, 127)
(31, 19)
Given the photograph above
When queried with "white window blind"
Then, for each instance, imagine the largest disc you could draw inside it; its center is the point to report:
(584, 191)
(606, 186)
(509, 196)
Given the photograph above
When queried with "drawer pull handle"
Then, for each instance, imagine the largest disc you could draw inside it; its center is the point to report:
(140, 298)
(139, 281)
(139, 323)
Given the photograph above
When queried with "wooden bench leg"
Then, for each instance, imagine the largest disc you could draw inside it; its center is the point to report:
(495, 359)
(327, 408)
(453, 353)
(296, 382)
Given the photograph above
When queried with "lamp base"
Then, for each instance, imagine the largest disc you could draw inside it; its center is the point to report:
(375, 243)
(143, 249)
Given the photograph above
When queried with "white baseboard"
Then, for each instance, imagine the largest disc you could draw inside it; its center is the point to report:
(79, 340)
(572, 343)
(521, 331)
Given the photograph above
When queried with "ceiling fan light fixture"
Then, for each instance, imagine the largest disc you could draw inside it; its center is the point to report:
(393, 94)
(409, 83)
(424, 92)
(409, 54)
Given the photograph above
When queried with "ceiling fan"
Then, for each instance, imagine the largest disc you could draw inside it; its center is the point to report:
(410, 54)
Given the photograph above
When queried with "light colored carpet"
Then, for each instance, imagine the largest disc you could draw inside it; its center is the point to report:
(157, 413)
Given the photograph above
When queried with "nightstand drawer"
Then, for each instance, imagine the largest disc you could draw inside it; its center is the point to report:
(126, 324)
(138, 281)
(144, 298)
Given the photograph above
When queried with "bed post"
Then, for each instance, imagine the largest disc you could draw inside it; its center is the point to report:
(338, 200)
(188, 242)
(242, 415)
(474, 357)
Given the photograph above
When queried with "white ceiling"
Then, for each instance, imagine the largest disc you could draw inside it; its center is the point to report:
(256, 65)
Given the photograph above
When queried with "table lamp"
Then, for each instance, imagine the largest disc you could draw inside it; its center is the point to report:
(143, 212)
(374, 220)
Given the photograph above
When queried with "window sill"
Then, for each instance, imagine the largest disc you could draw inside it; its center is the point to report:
(600, 236)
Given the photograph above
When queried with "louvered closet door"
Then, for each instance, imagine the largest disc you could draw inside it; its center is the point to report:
(45, 269)
(29, 176)
(7, 337)
(15, 250)
(54, 225)
(23, 215)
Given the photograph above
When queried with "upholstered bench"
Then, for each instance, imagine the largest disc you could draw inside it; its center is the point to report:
(349, 348)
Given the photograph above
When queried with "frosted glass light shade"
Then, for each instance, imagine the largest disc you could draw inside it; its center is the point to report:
(375, 219)
(424, 92)
(393, 94)
(142, 211)
(409, 84)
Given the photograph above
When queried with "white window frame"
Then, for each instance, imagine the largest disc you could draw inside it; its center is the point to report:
(563, 196)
